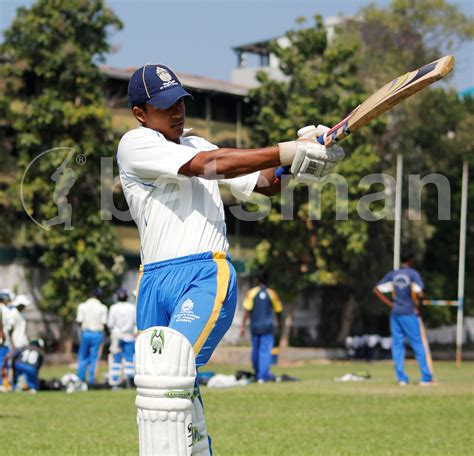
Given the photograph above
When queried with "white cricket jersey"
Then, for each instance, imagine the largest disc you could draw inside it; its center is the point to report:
(121, 321)
(92, 315)
(175, 215)
(15, 323)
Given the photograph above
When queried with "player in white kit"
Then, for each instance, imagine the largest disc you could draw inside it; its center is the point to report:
(187, 293)
(122, 327)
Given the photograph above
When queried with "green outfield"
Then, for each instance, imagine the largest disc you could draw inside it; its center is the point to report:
(316, 416)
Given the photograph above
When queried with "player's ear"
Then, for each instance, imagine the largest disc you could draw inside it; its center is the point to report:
(140, 113)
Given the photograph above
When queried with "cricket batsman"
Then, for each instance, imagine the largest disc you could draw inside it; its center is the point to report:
(186, 292)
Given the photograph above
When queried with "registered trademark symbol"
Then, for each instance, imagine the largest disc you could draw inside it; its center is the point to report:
(81, 159)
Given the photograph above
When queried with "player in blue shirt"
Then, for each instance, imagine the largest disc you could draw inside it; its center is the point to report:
(406, 287)
(27, 361)
(261, 304)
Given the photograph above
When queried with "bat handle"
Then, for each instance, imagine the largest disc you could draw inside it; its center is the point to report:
(284, 169)
(281, 170)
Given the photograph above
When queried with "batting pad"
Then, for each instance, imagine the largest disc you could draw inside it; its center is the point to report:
(200, 438)
(165, 374)
(114, 372)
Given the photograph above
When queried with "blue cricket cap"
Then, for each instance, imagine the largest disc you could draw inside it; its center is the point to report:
(97, 293)
(156, 85)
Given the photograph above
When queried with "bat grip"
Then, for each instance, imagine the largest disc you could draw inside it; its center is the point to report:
(284, 169)
(281, 170)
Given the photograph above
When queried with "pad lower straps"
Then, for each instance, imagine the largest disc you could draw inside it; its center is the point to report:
(200, 437)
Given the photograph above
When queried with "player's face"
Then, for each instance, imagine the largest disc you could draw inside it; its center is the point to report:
(169, 122)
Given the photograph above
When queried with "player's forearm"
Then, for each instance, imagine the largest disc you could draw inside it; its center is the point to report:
(268, 184)
(383, 298)
(279, 317)
(245, 319)
(230, 163)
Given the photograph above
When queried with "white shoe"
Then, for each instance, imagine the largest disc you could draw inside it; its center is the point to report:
(402, 383)
(431, 383)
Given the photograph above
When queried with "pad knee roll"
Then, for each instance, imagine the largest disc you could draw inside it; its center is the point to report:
(165, 373)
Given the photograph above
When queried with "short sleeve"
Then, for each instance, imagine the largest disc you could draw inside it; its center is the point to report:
(276, 303)
(417, 282)
(249, 297)
(242, 187)
(145, 154)
(80, 314)
(385, 285)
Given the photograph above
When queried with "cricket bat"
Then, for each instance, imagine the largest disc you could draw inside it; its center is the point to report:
(386, 98)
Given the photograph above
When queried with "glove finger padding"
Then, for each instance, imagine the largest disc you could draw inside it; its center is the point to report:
(311, 132)
(315, 160)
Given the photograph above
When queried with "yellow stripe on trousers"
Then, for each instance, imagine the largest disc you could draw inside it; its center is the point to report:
(426, 346)
(223, 275)
(140, 275)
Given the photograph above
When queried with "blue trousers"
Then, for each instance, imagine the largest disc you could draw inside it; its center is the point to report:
(29, 372)
(262, 346)
(3, 352)
(195, 295)
(410, 327)
(88, 354)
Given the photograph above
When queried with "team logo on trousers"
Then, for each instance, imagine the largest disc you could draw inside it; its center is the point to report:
(187, 306)
(157, 341)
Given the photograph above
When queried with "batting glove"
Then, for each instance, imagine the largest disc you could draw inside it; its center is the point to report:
(288, 148)
(314, 160)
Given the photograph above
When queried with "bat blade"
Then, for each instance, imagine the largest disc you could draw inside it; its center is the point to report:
(388, 96)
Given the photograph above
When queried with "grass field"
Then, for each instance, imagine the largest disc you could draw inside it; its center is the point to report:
(316, 416)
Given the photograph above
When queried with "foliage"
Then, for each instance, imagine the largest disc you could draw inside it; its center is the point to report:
(52, 98)
(408, 32)
(436, 130)
(314, 248)
(324, 81)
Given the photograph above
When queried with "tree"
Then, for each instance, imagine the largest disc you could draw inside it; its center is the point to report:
(402, 36)
(322, 83)
(53, 99)
(325, 80)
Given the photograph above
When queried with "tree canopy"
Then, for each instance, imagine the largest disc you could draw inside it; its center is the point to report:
(325, 80)
(55, 128)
